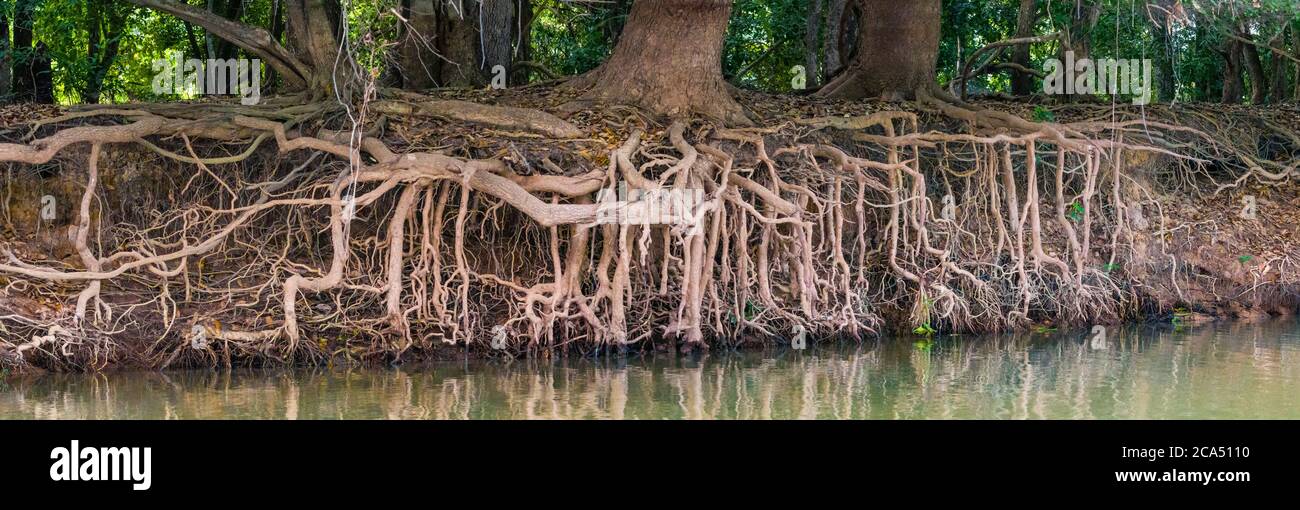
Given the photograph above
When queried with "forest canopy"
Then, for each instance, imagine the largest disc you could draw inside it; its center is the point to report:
(101, 51)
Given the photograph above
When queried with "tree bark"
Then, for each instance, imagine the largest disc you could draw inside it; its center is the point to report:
(896, 49)
(668, 61)
(834, 27)
(1281, 73)
(1022, 84)
(474, 36)
(313, 35)
(811, 40)
(1232, 84)
(417, 53)
(1255, 69)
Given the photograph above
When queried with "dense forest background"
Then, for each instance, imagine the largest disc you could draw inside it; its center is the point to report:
(101, 51)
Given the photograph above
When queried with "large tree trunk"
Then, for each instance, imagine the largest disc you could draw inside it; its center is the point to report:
(897, 46)
(417, 52)
(669, 61)
(472, 38)
(1255, 68)
(313, 35)
(811, 38)
(1022, 84)
(1232, 84)
(834, 28)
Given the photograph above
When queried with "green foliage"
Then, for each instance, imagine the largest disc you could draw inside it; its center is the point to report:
(764, 43)
(1076, 212)
(765, 39)
(1042, 114)
(572, 38)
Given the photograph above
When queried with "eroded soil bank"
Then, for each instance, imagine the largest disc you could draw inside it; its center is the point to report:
(833, 219)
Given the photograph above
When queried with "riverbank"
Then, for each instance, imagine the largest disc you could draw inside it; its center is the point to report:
(840, 220)
(1160, 371)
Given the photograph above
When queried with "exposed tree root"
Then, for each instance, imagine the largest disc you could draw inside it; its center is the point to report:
(384, 248)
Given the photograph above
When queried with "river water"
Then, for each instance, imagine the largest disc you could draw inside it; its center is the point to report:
(1232, 370)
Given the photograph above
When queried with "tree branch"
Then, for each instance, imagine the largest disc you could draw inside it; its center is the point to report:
(252, 39)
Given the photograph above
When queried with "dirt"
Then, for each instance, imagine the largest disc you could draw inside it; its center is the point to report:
(1190, 249)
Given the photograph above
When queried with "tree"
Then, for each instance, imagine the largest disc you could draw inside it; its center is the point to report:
(32, 80)
(105, 25)
(1254, 68)
(669, 61)
(836, 33)
(458, 43)
(311, 59)
(897, 46)
(1022, 84)
(1232, 84)
(1280, 70)
(812, 57)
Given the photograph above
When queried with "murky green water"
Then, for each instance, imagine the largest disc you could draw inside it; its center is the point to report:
(1223, 371)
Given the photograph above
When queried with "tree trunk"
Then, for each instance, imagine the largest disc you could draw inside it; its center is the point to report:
(1166, 81)
(20, 74)
(1254, 68)
(1022, 84)
(834, 18)
(669, 61)
(811, 39)
(105, 36)
(1232, 84)
(313, 36)
(419, 59)
(523, 37)
(234, 11)
(473, 37)
(1083, 20)
(315, 46)
(1295, 50)
(32, 80)
(1280, 89)
(896, 49)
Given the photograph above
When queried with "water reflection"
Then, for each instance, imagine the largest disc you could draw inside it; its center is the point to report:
(1225, 371)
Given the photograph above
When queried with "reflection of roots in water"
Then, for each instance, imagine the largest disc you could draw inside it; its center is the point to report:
(1145, 372)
